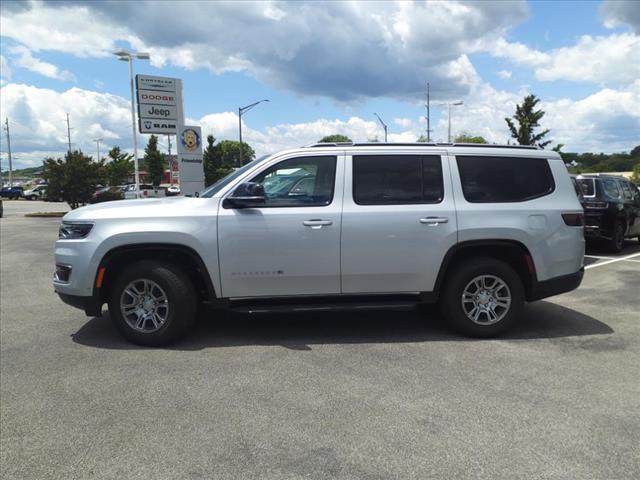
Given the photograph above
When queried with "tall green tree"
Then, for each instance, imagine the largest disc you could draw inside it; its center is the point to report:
(466, 138)
(528, 119)
(210, 161)
(336, 138)
(229, 153)
(154, 161)
(73, 179)
(120, 166)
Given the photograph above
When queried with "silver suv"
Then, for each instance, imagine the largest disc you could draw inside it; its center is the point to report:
(478, 229)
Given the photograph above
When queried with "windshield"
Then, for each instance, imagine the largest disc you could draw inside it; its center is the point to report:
(223, 182)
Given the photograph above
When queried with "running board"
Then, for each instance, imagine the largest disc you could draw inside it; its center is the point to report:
(325, 307)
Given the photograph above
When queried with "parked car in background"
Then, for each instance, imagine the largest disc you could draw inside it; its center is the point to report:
(108, 194)
(480, 229)
(36, 193)
(11, 193)
(146, 191)
(173, 190)
(612, 209)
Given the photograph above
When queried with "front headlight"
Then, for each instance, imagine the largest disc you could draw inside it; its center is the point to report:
(73, 231)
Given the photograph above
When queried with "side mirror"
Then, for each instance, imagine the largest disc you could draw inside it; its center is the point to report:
(249, 194)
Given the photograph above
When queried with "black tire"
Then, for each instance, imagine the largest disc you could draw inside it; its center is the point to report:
(616, 244)
(456, 282)
(182, 302)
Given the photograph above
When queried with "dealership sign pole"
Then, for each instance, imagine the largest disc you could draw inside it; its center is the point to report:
(161, 111)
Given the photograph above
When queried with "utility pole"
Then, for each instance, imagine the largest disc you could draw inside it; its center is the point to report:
(98, 140)
(6, 122)
(428, 115)
(69, 133)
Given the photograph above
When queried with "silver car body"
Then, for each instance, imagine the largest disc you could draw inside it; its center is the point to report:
(341, 248)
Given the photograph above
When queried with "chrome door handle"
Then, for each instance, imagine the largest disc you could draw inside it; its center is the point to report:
(434, 221)
(317, 223)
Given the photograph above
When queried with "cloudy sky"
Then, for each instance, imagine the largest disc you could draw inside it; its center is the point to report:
(326, 68)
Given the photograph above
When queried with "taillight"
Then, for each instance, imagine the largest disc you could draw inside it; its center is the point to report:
(573, 219)
(145, 193)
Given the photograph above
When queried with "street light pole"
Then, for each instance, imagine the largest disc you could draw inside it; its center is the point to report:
(384, 125)
(240, 131)
(6, 122)
(126, 56)
(459, 102)
(98, 140)
(241, 111)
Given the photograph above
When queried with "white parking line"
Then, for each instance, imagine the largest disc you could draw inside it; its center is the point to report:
(613, 260)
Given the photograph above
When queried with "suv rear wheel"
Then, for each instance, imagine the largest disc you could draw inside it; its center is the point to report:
(153, 303)
(616, 244)
(482, 298)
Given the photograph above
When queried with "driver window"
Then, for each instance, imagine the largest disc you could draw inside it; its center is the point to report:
(299, 182)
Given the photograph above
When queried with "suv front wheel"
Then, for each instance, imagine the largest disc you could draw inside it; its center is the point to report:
(153, 303)
(482, 297)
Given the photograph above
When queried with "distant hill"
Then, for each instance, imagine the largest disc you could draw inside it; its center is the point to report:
(31, 172)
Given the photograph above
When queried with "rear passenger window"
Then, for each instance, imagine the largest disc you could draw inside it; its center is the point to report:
(504, 179)
(610, 187)
(397, 179)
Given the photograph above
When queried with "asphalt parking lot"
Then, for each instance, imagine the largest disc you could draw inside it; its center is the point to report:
(358, 396)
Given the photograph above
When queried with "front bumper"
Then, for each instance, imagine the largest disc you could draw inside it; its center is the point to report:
(555, 286)
(91, 305)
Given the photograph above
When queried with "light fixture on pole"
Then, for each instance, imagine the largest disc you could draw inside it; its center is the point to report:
(241, 111)
(126, 56)
(98, 140)
(384, 125)
(450, 104)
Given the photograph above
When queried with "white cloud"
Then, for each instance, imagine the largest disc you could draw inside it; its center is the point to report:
(25, 59)
(517, 52)
(5, 69)
(617, 12)
(403, 122)
(505, 74)
(38, 118)
(333, 49)
(606, 121)
(613, 59)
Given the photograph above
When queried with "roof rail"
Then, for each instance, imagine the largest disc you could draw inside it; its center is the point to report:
(328, 144)
(419, 144)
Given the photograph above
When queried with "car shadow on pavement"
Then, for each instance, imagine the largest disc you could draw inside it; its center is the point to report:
(299, 331)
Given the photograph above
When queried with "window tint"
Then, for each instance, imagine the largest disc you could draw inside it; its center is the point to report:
(610, 188)
(504, 179)
(299, 182)
(626, 190)
(397, 179)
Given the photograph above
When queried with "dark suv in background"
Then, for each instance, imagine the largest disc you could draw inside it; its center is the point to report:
(612, 209)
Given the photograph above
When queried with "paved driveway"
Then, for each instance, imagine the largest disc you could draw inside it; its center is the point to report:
(371, 395)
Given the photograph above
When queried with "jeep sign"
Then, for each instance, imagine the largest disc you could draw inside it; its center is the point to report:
(155, 111)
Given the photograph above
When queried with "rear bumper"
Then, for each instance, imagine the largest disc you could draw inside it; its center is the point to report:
(91, 305)
(555, 286)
